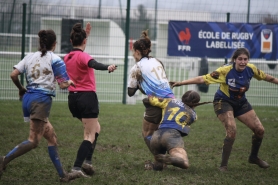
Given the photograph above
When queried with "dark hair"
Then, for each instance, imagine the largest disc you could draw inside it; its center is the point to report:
(143, 44)
(192, 98)
(77, 35)
(47, 39)
(238, 52)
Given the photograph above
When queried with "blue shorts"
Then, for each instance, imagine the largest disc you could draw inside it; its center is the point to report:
(36, 106)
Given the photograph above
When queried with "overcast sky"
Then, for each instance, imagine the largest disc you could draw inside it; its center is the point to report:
(232, 6)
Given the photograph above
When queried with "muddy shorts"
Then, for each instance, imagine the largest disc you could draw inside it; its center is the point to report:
(239, 108)
(152, 114)
(83, 104)
(165, 139)
(36, 106)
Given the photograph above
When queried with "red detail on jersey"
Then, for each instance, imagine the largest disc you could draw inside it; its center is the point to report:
(215, 74)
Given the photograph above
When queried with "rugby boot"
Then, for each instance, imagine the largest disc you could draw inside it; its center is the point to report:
(156, 166)
(259, 162)
(80, 172)
(148, 165)
(223, 168)
(88, 169)
(70, 176)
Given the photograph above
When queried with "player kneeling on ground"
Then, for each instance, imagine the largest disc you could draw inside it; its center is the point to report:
(175, 124)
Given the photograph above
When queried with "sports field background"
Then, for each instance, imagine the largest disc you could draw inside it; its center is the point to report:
(110, 85)
(107, 42)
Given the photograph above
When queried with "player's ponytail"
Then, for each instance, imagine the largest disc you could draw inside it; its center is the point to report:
(47, 40)
(143, 44)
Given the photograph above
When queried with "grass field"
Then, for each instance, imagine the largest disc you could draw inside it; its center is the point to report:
(121, 152)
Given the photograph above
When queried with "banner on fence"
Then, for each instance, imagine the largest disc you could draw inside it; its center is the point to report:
(220, 40)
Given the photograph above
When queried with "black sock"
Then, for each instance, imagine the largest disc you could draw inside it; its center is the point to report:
(82, 153)
(226, 151)
(256, 144)
(92, 149)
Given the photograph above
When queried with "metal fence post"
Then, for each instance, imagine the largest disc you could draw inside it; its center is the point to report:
(23, 39)
(126, 49)
(228, 20)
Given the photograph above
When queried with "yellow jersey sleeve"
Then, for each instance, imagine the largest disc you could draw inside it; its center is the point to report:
(217, 76)
(258, 74)
(159, 102)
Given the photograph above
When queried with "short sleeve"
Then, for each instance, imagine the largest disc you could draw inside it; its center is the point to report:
(59, 70)
(84, 58)
(132, 80)
(21, 65)
(258, 74)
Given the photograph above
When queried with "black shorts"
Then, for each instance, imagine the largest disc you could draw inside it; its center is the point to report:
(152, 114)
(165, 139)
(222, 106)
(83, 104)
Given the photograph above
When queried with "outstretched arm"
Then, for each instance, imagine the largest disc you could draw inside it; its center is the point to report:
(271, 79)
(195, 80)
(99, 66)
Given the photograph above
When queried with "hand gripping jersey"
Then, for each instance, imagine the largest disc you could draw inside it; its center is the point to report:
(150, 74)
(41, 72)
(233, 84)
(175, 114)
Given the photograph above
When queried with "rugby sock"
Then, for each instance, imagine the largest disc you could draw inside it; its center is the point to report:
(148, 142)
(88, 159)
(19, 150)
(82, 154)
(226, 150)
(256, 144)
(54, 156)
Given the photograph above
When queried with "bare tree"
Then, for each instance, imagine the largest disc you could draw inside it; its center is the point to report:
(269, 19)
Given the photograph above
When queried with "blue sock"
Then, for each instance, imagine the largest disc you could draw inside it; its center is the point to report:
(16, 148)
(54, 156)
(19, 150)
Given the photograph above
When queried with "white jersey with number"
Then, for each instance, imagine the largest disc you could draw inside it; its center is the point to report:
(43, 72)
(150, 74)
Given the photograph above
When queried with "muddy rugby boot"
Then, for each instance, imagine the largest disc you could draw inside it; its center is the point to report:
(70, 176)
(259, 162)
(80, 172)
(88, 169)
